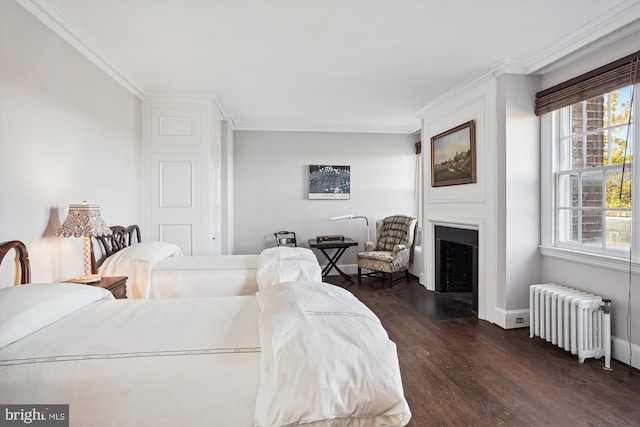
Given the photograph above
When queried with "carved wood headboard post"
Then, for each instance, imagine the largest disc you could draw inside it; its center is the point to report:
(22, 258)
(121, 238)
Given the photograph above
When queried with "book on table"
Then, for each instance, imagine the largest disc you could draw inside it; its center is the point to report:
(330, 239)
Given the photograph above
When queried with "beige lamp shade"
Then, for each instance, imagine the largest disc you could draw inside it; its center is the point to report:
(83, 220)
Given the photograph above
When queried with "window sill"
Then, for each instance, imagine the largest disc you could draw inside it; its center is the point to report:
(595, 260)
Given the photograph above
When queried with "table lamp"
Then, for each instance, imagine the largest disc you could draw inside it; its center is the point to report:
(351, 216)
(84, 220)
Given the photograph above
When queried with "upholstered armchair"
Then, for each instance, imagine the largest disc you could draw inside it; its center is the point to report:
(393, 249)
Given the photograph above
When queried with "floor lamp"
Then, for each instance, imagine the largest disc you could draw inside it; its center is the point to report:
(351, 216)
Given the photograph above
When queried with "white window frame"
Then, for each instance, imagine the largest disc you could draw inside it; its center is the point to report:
(612, 259)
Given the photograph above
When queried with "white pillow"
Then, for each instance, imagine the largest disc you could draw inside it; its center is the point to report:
(151, 252)
(26, 308)
(286, 264)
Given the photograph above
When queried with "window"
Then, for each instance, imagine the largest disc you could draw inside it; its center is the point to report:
(594, 148)
(588, 128)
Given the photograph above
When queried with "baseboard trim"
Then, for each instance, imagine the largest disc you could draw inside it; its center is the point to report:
(619, 347)
(620, 352)
(515, 319)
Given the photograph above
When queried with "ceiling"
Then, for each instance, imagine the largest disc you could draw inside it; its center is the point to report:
(325, 65)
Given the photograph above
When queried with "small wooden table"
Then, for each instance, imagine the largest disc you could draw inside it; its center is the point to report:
(341, 246)
(117, 285)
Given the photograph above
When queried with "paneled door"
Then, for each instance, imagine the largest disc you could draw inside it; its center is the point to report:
(176, 200)
(178, 151)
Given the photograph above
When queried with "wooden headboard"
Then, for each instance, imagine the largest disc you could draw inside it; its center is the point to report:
(121, 238)
(22, 258)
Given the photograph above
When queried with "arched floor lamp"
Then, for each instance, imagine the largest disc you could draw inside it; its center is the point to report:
(351, 216)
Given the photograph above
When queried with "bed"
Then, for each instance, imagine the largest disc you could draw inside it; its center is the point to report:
(261, 360)
(159, 269)
(197, 276)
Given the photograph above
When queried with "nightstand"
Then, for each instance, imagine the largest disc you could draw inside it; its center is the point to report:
(116, 284)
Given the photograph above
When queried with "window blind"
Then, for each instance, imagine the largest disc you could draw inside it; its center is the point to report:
(607, 78)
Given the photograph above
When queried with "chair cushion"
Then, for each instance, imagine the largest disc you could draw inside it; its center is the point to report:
(383, 256)
(395, 231)
(384, 260)
(377, 265)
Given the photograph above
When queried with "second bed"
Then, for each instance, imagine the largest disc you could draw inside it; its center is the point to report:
(160, 270)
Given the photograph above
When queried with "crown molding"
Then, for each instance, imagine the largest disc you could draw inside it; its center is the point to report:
(607, 28)
(506, 66)
(410, 129)
(218, 100)
(612, 37)
(218, 103)
(62, 24)
(469, 83)
(624, 19)
(614, 25)
(509, 66)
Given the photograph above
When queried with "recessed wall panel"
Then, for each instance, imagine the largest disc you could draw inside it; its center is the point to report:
(176, 127)
(176, 184)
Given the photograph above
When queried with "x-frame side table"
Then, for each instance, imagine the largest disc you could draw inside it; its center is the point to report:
(340, 247)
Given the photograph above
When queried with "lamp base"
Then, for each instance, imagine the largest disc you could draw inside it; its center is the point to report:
(89, 278)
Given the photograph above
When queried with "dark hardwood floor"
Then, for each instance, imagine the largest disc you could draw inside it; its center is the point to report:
(468, 372)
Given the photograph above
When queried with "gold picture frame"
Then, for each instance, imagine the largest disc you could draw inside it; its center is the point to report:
(453, 156)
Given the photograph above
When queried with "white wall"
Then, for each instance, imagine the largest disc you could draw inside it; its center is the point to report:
(68, 133)
(226, 183)
(518, 189)
(271, 185)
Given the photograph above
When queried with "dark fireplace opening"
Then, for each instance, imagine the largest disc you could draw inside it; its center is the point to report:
(455, 268)
(456, 262)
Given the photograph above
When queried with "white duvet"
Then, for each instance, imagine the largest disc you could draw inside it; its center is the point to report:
(298, 353)
(326, 361)
(171, 362)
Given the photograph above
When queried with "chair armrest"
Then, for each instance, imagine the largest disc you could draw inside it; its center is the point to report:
(370, 246)
(398, 248)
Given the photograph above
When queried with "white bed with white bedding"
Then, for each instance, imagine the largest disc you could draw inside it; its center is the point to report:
(192, 276)
(137, 362)
(296, 353)
(159, 269)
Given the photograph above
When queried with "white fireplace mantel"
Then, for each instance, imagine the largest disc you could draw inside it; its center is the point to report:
(486, 293)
